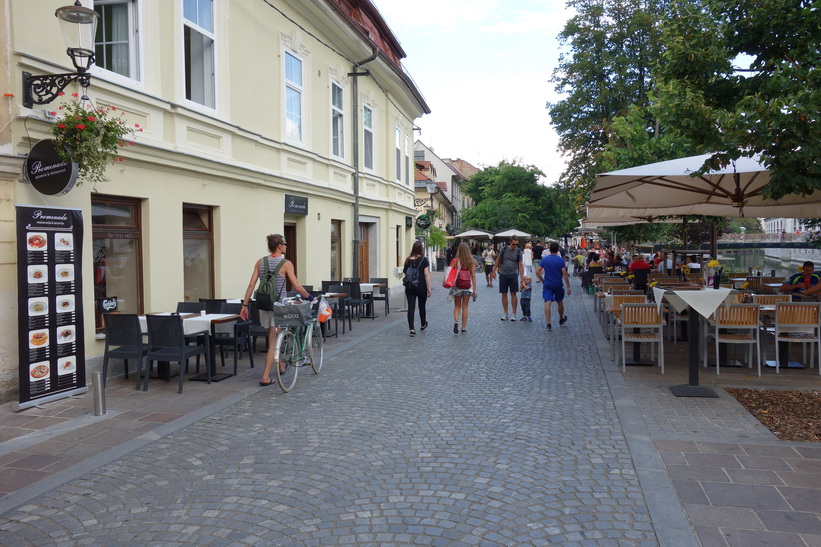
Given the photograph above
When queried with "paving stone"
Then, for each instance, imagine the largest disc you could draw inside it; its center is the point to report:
(750, 538)
(744, 495)
(791, 521)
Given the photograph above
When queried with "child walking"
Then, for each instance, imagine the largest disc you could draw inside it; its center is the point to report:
(527, 291)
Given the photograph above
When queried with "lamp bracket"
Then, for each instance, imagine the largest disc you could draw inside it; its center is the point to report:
(44, 89)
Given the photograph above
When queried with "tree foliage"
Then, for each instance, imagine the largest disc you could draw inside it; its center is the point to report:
(772, 111)
(612, 46)
(508, 195)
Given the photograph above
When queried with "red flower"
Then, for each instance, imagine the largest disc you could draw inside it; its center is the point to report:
(81, 126)
(62, 126)
(91, 118)
(75, 94)
(60, 94)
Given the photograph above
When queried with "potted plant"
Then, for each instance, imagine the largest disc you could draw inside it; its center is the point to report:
(90, 136)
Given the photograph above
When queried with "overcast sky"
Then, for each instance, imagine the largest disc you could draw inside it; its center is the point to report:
(483, 67)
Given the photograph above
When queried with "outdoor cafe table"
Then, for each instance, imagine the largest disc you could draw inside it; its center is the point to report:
(699, 301)
(367, 288)
(208, 325)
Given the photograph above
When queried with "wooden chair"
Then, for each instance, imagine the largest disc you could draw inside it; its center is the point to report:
(735, 324)
(641, 323)
(770, 299)
(753, 283)
(123, 340)
(798, 322)
(614, 316)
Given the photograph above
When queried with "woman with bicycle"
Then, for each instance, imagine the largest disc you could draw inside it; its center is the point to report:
(276, 248)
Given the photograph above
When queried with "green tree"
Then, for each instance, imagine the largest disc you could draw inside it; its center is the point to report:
(612, 46)
(508, 195)
(771, 109)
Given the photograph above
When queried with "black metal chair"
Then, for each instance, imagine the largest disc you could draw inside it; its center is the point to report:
(256, 330)
(166, 342)
(123, 331)
(355, 302)
(327, 284)
(190, 307)
(239, 339)
(212, 305)
(343, 306)
(382, 293)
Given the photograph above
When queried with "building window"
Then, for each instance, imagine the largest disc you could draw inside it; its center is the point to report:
(197, 248)
(293, 97)
(336, 250)
(198, 29)
(337, 121)
(408, 178)
(116, 40)
(115, 226)
(367, 145)
(398, 148)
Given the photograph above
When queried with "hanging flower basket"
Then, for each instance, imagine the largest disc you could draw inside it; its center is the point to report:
(90, 137)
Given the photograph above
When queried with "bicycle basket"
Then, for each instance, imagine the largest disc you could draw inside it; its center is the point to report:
(292, 315)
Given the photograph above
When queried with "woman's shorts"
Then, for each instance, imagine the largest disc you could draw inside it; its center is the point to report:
(266, 318)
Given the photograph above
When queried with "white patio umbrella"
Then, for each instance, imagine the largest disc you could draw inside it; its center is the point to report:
(512, 233)
(666, 188)
(474, 234)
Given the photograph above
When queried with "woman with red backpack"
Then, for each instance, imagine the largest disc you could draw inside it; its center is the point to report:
(464, 287)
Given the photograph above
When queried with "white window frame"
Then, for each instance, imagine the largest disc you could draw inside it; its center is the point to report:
(294, 134)
(207, 96)
(338, 123)
(398, 154)
(132, 41)
(408, 179)
(368, 148)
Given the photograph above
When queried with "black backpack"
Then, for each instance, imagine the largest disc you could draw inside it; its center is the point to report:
(267, 292)
(413, 277)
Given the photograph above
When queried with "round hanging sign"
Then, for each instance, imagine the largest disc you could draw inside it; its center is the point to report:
(48, 172)
(423, 222)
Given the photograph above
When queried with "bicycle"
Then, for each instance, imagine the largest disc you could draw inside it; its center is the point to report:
(297, 347)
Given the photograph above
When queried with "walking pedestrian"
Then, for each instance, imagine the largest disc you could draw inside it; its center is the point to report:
(282, 270)
(489, 258)
(510, 269)
(538, 249)
(527, 259)
(551, 271)
(417, 285)
(465, 286)
(527, 291)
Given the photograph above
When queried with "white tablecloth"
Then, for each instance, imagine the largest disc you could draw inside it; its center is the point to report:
(200, 323)
(704, 301)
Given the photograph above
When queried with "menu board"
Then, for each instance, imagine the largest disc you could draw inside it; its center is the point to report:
(50, 303)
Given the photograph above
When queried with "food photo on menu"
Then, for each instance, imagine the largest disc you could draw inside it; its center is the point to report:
(38, 273)
(64, 272)
(65, 334)
(38, 306)
(65, 303)
(66, 365)
(38, 338)
(64, 241)
(39, 371)
(37, 241)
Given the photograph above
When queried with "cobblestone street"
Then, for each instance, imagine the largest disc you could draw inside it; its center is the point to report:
(503, 435)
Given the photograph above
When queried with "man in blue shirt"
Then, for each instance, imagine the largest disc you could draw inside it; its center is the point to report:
(804, 283)
(552, 271)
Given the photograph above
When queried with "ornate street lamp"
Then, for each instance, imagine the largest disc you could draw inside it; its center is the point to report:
(432, 188)
(79, 26)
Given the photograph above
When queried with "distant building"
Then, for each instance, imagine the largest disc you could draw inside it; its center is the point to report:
(451, 176)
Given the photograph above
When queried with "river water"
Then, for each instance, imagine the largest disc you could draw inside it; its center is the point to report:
(742, 261)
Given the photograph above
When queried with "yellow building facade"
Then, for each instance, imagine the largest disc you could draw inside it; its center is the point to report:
(249, 117)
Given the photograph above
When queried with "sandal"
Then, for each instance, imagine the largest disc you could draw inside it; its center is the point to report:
(464, 331)
(270, 383)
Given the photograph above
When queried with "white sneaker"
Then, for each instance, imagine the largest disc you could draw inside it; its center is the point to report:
(505, 317)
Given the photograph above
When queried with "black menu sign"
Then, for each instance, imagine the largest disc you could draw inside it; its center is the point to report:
(50, 303)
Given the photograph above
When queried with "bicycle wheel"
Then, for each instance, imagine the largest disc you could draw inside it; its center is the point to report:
(316, 349)
(287, 355)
